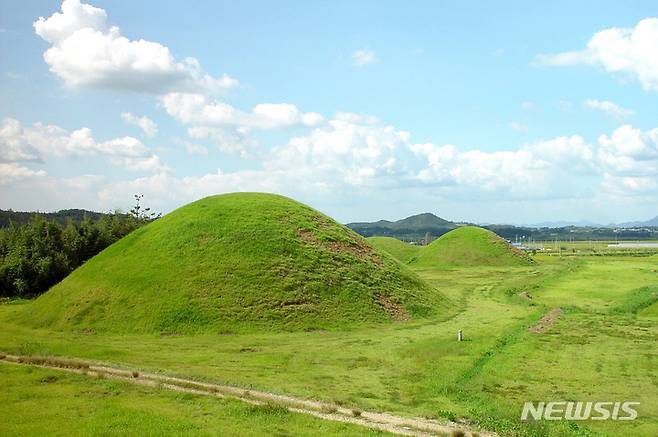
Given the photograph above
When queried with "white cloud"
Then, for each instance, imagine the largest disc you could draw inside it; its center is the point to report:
(197, 109)
(74, 16)
(535, 170)
(632, 51)
(41, 141)
(346, 157)
(609, 108)
(273, 115)
(148, 126)
(87, 52)
(345, 153)
(356, 154)
(629, 185)
(13, 145)
(11, 172)
(571, 152)
(228, 127)
(363, 57)
(630, 152)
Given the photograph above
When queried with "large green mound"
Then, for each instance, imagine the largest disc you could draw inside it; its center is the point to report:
(403, 252)
(235, 263)
(471, 246)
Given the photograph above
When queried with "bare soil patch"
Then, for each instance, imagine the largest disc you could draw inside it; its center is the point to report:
(392, 308)
(546, 322)
(355, 247)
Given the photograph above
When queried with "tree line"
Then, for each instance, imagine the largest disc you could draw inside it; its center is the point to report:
(36, 255)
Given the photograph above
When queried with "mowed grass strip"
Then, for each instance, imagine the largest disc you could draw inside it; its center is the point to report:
(39, 401)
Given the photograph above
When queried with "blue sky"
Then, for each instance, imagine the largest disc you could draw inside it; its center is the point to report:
(509, 112)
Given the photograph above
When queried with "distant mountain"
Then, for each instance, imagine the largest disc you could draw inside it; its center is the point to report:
(416, 227)
(411, 228)
(652, 222)
(62, 217)
(422, 221)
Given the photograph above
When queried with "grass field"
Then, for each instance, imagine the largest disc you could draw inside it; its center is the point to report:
(602, 347)
(49, 402)
(593, 248)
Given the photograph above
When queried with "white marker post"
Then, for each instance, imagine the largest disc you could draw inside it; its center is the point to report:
(459, 335)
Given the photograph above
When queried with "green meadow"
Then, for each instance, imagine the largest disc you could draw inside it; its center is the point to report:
(599, 343)
(602, 348)
(49, 402)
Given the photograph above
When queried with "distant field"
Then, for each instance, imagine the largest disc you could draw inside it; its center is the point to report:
(602, 346)
(568, 248)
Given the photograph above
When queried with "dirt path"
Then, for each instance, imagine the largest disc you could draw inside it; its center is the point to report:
(381, 421)
(546, 322)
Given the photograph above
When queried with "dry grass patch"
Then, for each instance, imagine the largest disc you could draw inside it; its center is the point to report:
(53, 362)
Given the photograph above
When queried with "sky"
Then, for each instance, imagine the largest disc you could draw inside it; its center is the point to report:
(514, 112)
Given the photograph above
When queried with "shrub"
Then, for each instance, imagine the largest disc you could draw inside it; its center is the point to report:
(270, 409)
(329, 409)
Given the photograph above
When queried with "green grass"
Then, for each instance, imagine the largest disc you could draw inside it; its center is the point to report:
(470, 246)
(601, 348)
(403, 252)
(49, 402)
(236, 263)
(651, 311)
(600, 285)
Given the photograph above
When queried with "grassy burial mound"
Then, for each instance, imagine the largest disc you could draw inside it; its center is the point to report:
(235, 263)
(471, 246)
(403, 252)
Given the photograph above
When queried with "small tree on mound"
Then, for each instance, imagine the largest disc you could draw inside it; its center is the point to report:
(140, 213)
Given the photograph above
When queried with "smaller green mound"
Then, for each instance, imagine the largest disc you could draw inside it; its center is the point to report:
(403, 252)
(471, 246)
